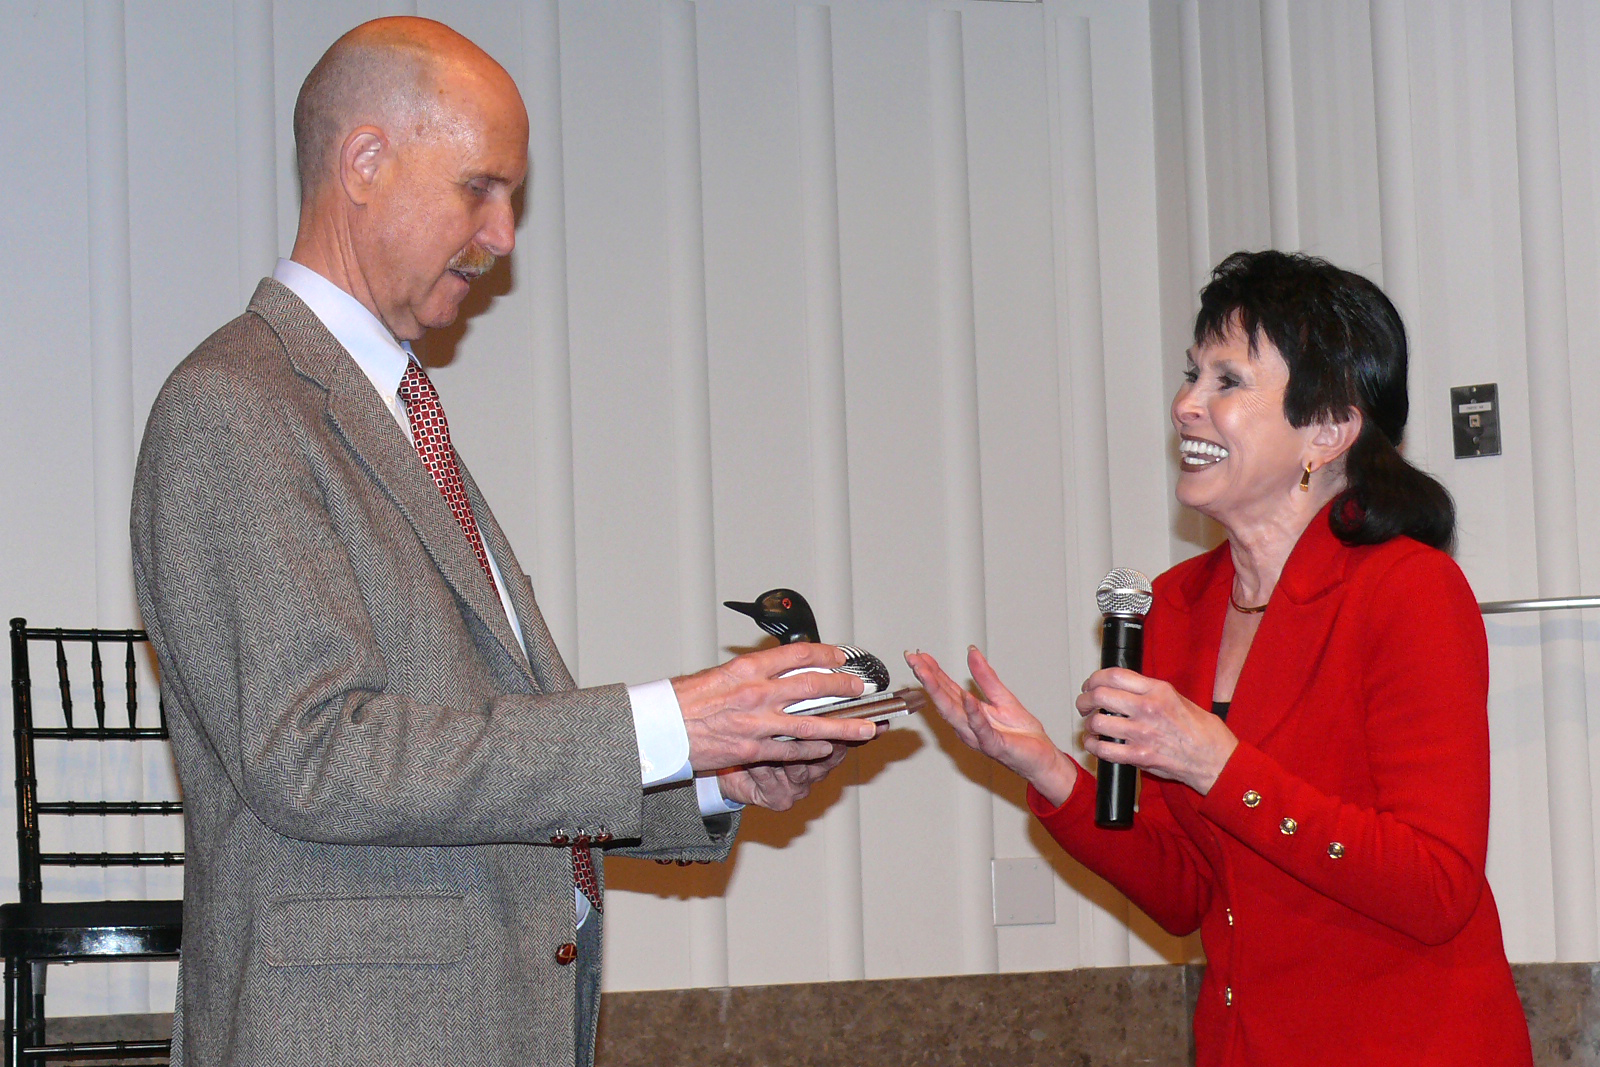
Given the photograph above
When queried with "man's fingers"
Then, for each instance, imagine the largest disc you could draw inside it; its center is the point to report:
(776, 752)
(822, 728)
(811, 684)
(771, 662)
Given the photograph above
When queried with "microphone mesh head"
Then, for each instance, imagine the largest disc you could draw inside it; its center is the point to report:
(1123, 592)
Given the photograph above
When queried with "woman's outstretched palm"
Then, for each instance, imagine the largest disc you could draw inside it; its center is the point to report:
(996, 723)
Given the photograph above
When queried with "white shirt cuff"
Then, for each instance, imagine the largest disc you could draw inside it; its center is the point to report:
(709, 792)
(664, 746)
(659, 731)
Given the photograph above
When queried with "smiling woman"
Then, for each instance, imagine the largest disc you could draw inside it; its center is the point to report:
(1327, 349)
(1312, 708)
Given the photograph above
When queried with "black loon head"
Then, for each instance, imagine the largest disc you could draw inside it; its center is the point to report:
(783, 613)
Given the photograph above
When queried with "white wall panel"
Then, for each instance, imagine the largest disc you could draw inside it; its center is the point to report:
(48, 569)
(1014, 297)
(691, 400)
(843, 890)
(1233, 103)
(620, 330)
(1544, 264)
(959, 449)
(1336, 171)
(551, 552)
(111, 374)
(762, 228)
(888, 256)
(1577, 30)
(881, 299)
(255, 141)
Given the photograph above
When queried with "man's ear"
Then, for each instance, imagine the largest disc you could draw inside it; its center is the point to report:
(361, 158)
(1332, 439)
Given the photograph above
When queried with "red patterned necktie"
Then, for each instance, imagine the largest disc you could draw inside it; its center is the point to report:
(431, 434)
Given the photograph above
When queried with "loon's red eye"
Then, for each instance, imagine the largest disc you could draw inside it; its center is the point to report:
(787, 603)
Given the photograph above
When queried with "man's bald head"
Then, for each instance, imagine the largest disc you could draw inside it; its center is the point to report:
(412, 144)
(389, 73)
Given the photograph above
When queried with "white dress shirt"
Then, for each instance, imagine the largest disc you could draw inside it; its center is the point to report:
(657, 719)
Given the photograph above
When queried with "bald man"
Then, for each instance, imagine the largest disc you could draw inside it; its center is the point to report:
(396, 798)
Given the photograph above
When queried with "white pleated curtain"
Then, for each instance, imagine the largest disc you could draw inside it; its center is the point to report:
(883, 300)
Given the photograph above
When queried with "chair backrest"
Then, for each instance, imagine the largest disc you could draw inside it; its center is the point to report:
(31, 859)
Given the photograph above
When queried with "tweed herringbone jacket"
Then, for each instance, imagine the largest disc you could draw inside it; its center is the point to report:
(373, 772)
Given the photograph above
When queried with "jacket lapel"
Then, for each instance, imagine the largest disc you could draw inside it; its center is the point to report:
(549, 669)
(1199, 603)
(357, 414)
(1288, 648)
(517, 589)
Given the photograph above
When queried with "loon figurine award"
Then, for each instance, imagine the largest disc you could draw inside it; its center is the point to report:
(786, 615)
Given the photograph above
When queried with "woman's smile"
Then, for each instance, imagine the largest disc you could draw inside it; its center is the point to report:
(1199, 453)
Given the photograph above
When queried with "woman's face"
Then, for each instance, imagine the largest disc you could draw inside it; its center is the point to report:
(1238, 455)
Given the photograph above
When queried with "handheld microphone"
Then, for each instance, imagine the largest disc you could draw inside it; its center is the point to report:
(1124, 599)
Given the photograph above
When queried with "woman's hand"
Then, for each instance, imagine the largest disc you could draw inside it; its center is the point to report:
(1166, 734)
(997, 725)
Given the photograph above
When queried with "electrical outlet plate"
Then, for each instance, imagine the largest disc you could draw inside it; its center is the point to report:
(1475, 418)
(1024, 892)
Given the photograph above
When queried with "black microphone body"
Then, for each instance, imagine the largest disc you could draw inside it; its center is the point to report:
(1124, 598)
(1121, 645)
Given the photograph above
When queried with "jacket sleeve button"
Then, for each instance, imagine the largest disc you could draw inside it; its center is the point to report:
(1251, 798)
(1336, 851)
(1287, 827)
(566, 953)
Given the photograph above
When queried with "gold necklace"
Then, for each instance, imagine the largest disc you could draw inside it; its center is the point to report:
(1242, 609)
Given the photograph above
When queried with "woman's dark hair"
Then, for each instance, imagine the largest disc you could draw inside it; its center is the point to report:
(1346, 348)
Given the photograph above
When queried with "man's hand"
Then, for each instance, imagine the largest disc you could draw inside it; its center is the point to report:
(779, 786)
(734, 712)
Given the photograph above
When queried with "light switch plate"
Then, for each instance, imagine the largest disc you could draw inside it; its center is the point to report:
(1024, 892)
(1475, 418)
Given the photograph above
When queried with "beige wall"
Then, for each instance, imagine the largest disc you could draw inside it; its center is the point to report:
(884, 300)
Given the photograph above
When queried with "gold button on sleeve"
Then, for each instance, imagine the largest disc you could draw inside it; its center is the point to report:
(1336, 850)
(1287, 827)
(1251, 798)
(1227, 996)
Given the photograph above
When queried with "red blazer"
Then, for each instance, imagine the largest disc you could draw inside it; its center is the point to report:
(1335, 869)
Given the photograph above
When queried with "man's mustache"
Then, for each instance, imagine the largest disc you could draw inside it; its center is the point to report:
(472, 261)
